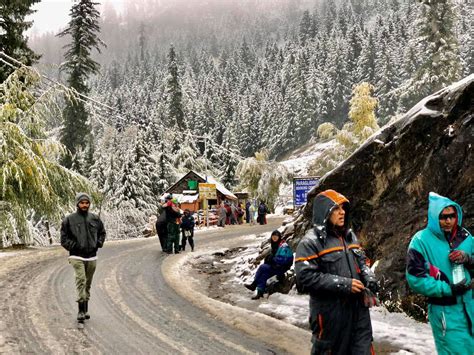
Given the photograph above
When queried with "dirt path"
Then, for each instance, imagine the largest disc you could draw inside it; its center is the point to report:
(133, 309)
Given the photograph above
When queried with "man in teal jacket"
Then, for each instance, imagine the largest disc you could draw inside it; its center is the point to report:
(432, 255)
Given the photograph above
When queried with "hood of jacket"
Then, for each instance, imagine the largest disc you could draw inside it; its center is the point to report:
(436, 204)
(324, 203)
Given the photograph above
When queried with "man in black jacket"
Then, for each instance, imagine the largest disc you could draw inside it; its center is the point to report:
(161, 224)
(173, 215)
(82, 233)
(330, 265)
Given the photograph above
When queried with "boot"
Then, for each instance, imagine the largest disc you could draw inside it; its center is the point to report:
(251, 286)
(80, 315)
(86, 309)
(258, 295)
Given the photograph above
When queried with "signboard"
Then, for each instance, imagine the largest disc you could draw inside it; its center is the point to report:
(207, 191)
(301, 187)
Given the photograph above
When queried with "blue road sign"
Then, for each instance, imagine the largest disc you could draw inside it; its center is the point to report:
(301, 187)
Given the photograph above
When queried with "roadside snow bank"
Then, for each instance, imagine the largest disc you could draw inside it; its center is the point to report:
(395, 330)
(176, 273)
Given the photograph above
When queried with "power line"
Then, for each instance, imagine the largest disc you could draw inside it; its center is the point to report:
(215, 145)
(55, 82)
(86, 99)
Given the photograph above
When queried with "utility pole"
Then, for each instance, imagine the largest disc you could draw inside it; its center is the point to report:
(205, 201)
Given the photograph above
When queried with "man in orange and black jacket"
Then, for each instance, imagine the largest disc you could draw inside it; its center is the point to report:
(330, 265)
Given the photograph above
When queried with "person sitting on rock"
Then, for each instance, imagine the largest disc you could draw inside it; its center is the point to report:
(276, 263)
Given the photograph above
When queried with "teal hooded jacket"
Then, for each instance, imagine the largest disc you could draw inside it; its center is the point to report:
(429, 273)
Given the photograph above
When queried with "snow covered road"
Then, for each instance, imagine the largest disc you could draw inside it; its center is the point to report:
(133, 309)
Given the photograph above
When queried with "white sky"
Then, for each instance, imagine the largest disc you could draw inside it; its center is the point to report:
(53, 15)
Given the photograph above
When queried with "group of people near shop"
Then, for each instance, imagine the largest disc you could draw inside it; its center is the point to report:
(330, 265)
(171, 223)
(234, 213)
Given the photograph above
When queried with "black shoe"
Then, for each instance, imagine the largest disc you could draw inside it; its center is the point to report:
(86, 309)
(176, 252)
(252, 286)
(258, 295)
(80, 315)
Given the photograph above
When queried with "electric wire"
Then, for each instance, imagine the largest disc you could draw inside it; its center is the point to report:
(86, 99)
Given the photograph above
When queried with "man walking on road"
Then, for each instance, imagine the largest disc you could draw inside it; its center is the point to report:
(82, 234)
(330, 265)
(439, 265)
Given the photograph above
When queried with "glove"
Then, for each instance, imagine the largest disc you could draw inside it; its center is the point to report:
(459, 257)
(373, 286)
(370, 300)
(460, 288)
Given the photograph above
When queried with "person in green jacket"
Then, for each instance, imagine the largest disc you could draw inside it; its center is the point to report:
(440, 264)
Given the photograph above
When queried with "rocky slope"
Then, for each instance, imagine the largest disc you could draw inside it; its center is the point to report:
(388, 179)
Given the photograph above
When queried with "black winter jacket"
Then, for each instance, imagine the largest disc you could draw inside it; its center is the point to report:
(326, 263)
(82, 234)
(187, 222)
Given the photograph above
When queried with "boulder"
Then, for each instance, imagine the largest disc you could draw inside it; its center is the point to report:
(389, 177)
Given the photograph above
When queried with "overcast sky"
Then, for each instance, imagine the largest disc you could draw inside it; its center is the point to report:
(53, 15)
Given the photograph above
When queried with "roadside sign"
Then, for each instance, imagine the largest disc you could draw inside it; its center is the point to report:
(207, 191)
(301, 187)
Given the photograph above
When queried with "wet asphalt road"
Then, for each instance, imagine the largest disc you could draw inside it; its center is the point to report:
(133, 310)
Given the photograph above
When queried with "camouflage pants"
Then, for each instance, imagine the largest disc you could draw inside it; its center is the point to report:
(173, 238)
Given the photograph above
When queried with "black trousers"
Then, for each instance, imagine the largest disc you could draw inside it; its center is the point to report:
(162, 231)
(190, 239)
(340, 327)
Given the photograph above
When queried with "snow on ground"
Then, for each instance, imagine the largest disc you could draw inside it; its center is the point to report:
(299, 161)
(7, 254)
(400, 330)
(206, 229)
(298, 164)
(395, 329)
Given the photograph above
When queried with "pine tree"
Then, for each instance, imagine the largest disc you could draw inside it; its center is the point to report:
(165, 171)
(306, 25)
(466, 33)
(13, 42)
(82, 29)
(439, 49)
(142, 41)
(246, 56)
(174, 94)
(139, 172)
(366, 61)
